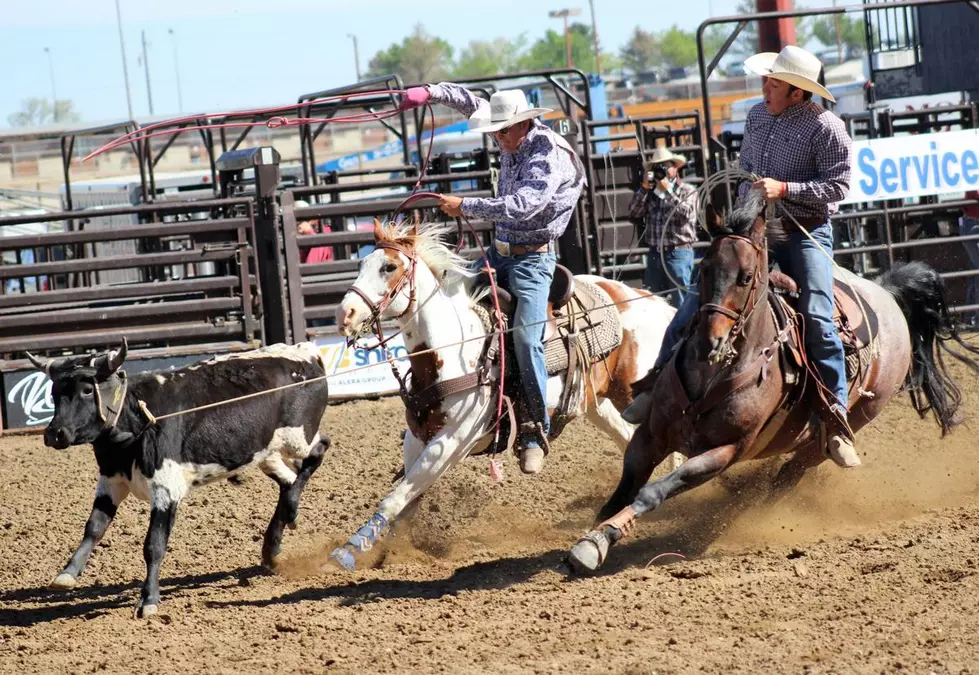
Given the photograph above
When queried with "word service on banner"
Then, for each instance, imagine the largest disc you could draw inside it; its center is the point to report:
(914, 166)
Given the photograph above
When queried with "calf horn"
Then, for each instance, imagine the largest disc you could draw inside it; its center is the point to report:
(43, 366)
(116, 358)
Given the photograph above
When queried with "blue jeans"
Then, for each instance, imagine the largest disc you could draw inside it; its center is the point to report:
(679, 263)
(971, 226)
(804, 262)
(528, 279)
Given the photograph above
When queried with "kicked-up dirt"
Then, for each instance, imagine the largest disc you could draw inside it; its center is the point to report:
(870, 570)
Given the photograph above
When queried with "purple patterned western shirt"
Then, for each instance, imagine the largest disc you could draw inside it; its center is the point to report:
(807, 147)
(539, 185)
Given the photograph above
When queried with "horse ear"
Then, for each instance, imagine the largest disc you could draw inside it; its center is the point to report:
(378, 230)
(416, 221)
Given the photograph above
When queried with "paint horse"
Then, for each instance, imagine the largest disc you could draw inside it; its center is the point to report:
(740, 388)
(432, 294)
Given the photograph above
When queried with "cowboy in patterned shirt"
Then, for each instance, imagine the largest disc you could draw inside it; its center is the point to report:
(540, 182)
(668, 209)
(803, 154)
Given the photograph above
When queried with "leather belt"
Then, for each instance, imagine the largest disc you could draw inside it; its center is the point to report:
(808, 222)
(507, 249)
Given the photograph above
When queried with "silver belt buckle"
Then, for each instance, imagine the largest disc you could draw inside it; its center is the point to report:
(502, 247)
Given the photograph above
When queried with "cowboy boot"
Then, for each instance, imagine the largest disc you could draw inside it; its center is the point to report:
(840, 445)
(533, 447)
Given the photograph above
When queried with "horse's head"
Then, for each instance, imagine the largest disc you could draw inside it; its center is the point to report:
(733, 277)
(407, 265)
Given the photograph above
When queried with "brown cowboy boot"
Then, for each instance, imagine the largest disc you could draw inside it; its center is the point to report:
(533, 447)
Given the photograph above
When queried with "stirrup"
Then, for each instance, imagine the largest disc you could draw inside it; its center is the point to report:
(536, 430)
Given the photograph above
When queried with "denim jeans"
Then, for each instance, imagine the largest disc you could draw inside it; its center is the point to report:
(803, 261)
(528, 279)
(971, 226)
(679, 263)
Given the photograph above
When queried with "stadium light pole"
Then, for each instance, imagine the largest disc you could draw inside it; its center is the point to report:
(594, 35)
(356, 55)
(564, 14)
(54, 93)
(176, 69)
(125, 70)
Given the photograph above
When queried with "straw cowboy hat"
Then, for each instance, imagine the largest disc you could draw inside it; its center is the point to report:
(506, 108)
(793, 65)
(662, 154)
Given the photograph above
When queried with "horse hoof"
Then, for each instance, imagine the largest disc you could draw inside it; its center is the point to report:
(63, 581)
(588, 553)
(345, 558)
(145, 611)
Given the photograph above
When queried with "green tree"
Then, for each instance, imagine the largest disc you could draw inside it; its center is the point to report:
(419, 58)
(678, 47)
(37, 111)
(483, 57)
(641, 52)
(840, 30)
(549, 51)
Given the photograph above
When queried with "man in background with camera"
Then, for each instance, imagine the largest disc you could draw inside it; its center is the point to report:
(668, 208)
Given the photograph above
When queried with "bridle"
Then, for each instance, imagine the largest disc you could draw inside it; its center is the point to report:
(377, 308)
(741, 316)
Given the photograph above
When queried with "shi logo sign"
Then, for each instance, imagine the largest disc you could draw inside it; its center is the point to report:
(33, 396)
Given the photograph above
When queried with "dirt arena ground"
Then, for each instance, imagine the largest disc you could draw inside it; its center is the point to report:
(873, 570)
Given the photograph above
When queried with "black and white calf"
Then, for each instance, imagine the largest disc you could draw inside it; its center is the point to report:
(95, 402)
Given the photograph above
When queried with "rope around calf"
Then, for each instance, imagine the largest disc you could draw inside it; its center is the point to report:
(388, 361)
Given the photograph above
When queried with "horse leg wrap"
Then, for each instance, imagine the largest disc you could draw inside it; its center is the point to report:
(623, 521)
(365, 537)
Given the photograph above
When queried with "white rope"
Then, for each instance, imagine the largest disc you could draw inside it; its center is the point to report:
(388, 361)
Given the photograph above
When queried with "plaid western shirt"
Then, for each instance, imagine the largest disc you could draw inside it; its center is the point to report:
(539, 184)
(807, 147)
(654, 210)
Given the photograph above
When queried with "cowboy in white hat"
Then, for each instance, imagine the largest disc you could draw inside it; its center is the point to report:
(668, 209)
(539, 185)
(802, 153)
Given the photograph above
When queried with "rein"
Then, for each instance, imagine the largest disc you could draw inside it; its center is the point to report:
(741, 316)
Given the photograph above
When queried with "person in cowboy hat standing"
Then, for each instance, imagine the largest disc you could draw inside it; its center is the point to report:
(540, 181)
(803, 154)
(668, 209)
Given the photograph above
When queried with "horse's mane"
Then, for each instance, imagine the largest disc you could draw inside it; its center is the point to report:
(429, 243)
(742, 218)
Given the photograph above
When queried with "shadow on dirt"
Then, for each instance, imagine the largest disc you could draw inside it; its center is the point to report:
(42, 605)
(690, 525)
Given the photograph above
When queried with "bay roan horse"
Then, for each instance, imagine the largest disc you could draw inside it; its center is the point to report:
(414, 279)
(724, 397)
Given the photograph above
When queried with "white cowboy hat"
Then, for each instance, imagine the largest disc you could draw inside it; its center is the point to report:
(506, 108)
(662, 154)
(793, 65)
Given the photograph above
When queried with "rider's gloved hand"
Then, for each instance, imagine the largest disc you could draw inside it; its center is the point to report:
(414, 98)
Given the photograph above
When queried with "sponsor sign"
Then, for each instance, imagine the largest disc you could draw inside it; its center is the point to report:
(914, 166)
(27, 393)
(346, 366)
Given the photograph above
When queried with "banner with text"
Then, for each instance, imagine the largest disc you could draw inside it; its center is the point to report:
(914, 166)
(377, 380)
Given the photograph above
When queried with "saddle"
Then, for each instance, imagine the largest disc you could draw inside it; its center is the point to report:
(856, 323)
(582, 328)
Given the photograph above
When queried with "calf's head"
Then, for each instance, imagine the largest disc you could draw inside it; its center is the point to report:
(87, 392)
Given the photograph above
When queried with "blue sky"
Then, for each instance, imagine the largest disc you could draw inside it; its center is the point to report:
(263, 52)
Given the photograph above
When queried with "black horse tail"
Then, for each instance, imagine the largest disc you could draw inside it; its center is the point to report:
(920, 292)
